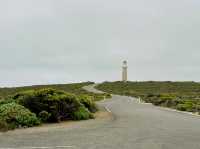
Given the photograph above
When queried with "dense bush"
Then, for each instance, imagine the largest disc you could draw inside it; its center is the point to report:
(3, 101)
(44, 116)
(88, 102)
(182, 107)
(13, 115)
(165, 100)
(58, 104)
(82, 114)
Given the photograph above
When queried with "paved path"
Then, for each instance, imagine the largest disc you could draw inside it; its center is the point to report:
(133, 126)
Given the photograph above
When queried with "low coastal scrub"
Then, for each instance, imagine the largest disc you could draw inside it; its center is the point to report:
(13, 115)
(33, 107)
(82, 114)
(189, 105)
(88, 102)
(58, 104)
(184, 96)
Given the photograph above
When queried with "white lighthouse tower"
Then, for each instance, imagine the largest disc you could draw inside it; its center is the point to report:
(124, 71)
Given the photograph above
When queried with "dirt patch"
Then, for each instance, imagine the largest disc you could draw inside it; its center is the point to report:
(103, 115)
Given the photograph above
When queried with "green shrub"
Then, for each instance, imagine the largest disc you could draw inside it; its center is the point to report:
(186, 107)
(16, 116)
(82, 114)
(88, 102)
(181, 107)
(60, 105)
(3, 101)
(44, 116)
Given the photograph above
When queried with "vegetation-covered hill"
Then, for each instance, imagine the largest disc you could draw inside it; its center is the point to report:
(33, 105)
(183, 96)
(74, 88)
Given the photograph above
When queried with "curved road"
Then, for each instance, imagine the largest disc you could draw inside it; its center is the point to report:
(133, 126)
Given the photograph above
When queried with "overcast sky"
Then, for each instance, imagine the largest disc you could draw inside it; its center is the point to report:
(61, 41)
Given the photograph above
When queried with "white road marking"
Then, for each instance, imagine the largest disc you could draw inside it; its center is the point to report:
(104, 99)
(139, 100)
(142, 102)
(107, 109)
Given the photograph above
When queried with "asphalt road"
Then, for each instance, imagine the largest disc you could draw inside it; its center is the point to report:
(132, 126)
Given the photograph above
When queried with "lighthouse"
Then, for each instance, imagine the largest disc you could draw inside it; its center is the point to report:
(124, 71)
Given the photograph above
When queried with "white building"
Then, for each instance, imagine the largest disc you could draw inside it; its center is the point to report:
(124, 71)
